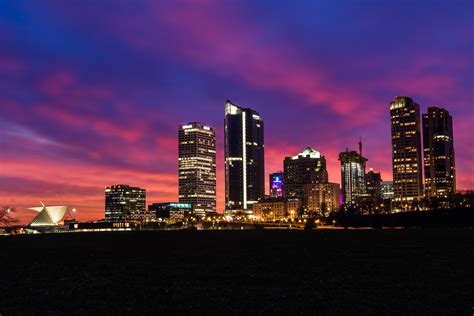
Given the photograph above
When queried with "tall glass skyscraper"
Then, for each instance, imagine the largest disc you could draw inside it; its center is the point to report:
(123, 202)
(406, 151)
(244, 157)
(440, 171)
(352, 176)
(197, 167)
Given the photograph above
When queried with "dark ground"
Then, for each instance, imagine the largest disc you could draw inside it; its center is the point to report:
(428, 271)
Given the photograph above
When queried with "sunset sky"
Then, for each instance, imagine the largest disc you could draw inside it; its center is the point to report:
(92, 92)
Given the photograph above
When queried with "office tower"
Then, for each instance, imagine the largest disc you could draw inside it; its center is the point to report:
(197, 167)
(372, 184)
(386, 190)
(406, 151)
(244, 157)
(440, 171)
(276, 184)
(305, 168)
(352, 175)
(322, 198)
(124, 202)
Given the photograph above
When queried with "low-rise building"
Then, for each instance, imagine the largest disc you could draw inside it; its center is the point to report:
(322, 198)
(277, 208)
(171, 210)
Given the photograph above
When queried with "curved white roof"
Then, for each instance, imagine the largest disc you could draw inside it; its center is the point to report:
(48, 215)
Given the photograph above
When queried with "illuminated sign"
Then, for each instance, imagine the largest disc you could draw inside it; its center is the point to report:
(276, 185)
(180, 205)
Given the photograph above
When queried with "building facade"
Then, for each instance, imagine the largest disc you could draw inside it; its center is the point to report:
(307, 167)
(124, 202)
(372, 184)
(277, 208)
(440, 170)
(197, 167)
(352, 176)
(386, 190)
(171, 210)
(276, 184)
(244, 157)
(406, 151)
(322, 198)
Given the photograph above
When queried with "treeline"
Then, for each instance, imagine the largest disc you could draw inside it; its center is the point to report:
(457, 217)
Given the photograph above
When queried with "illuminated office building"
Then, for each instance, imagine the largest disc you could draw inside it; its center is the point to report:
(307, 167)
(124, 202)
(440, 171)
(276, 184)
(386, 190)
(352, 176)
(277, 208)
(244, 157)
(197, 167)
(406, 151)
(322, 198)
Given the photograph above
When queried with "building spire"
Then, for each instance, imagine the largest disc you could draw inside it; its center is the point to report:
(360, 145)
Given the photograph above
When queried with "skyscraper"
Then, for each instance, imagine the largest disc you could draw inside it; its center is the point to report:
(307, 167)
(123, 201)
(406, 151)
(372, 184)
(197, 167)
(244, 157)
(440, 171)
(276, 184)
(352, 175)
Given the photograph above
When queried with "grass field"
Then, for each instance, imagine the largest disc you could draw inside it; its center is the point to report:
(240, 272)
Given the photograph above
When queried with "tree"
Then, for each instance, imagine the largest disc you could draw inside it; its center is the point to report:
(6, 216)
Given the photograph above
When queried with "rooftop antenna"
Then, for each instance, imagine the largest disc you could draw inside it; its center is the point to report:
(360, 145)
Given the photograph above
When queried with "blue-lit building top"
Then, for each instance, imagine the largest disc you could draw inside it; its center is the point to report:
(276, 184)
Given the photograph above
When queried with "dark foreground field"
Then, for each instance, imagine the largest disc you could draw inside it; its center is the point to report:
(240, 272)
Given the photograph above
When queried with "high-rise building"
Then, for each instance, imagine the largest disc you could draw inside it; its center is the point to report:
(322, 198)
(440, 171)
(244, 157)
(197, 167)
(386, 190)
(372, 184)
(307, 167)
(406, 151)
(352, 175)
(276, 184)
(123, 202)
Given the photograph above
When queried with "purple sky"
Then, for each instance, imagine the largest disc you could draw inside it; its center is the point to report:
(92, 92)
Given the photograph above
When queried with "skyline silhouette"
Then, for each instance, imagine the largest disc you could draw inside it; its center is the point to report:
(93, 93)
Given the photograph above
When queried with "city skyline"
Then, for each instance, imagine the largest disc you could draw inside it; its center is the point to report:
(82, 110)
